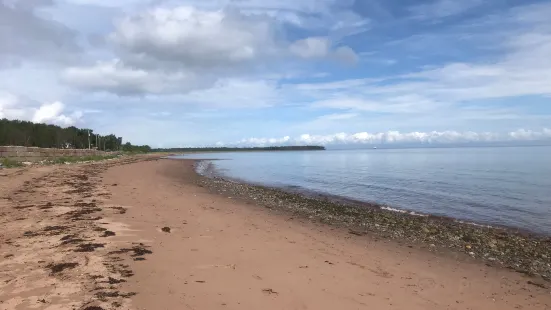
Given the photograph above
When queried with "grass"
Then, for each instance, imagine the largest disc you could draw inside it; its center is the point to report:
(10, 163)
(64, 160)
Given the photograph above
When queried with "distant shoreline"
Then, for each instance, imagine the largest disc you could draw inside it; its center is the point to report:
(521, 250)
(242, 149)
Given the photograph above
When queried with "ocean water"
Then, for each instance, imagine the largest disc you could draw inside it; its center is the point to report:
(506, 186)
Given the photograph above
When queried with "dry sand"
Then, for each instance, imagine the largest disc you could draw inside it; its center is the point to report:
(220, 253)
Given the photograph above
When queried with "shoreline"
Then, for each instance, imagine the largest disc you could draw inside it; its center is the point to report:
(521, 250)
(211, 172)
(151, 233)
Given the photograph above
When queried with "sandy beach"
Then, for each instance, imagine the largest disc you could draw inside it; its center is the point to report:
(145, 233)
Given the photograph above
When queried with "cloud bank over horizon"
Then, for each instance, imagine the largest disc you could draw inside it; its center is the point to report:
(396, 137)
(174, 72)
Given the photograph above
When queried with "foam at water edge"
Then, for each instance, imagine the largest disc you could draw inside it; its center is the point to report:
(403, 211)
(474, 224)
(205, 168)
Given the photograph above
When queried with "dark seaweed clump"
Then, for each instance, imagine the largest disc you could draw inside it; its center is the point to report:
(138, 250)
(108, 233)
(56, 268)
(88, 247)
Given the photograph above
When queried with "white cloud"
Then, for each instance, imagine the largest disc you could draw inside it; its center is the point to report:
(409, 103)
(346, 54)
(15, 107)
(109, 3)
(524, 135)
(442, 8)
(303, 6)
(10, 107)
(232, 93)
(168, 50)
(315, 47)
(337, 116)
(115, 77)
(396, 137)
(307, 14)
(320, 47)
(184, 57)
(195, 38)
(25, 35)
(451, 90)
(53, 113)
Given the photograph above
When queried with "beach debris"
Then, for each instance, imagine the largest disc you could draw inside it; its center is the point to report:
(89, 247)
(56, 230)
(355, 232)
(57, 268)
(108, 233)
(269, 291)
(71, 239)
(120, 209)
(94, 308)
(537, 284)
(104, 295)
(330, 263)
(166, 229)
(76, 215)
(139, 250)
(30, 234)
(111, 280)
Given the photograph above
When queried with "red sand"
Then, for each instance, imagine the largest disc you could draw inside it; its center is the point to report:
(227, 254)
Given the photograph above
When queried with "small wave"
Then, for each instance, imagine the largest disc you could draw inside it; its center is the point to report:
(474, 224)
(205, 168)
(403, 211)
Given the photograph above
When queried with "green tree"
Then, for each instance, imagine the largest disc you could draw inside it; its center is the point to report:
(23, 133)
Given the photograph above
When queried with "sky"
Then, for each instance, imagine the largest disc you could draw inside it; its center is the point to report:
(172, 73)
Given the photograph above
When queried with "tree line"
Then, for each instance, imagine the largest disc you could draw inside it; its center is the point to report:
(24, 133)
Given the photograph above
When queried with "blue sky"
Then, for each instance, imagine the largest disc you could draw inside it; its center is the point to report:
(252, 72)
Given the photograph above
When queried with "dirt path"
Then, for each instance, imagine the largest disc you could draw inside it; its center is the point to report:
(91, 237)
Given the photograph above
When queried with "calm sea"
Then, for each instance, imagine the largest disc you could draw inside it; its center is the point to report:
(508, 186)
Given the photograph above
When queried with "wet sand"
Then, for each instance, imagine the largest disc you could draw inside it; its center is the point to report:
(215, 252)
